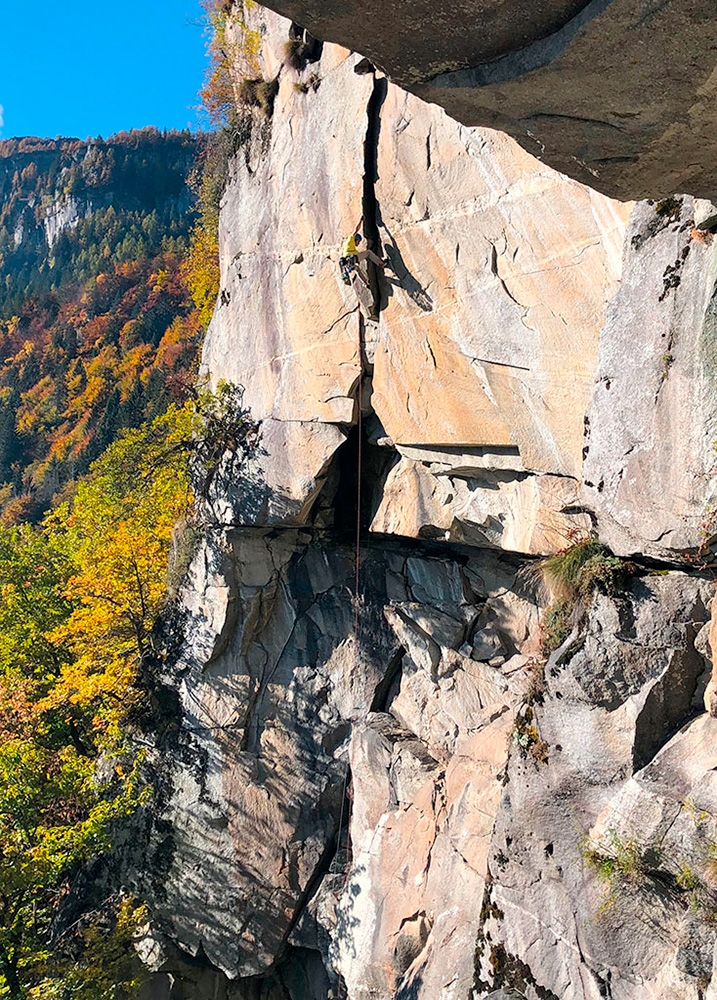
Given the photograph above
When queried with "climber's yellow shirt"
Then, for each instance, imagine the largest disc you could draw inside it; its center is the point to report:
(350, 248)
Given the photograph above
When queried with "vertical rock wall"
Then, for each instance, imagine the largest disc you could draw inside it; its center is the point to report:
(388, 794)
(649, 473)
(499, 272)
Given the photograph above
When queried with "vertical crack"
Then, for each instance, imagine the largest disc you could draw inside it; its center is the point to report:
(370, 176)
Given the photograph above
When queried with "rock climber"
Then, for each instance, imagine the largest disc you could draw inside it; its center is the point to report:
(353, 256)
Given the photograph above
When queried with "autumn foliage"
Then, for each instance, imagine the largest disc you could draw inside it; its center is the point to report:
(55, 813)
(110, 261)
(98, 328)
(115, 533)
(80, 597)
(104, 440)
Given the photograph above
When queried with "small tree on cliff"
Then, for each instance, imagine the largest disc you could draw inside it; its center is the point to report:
(117, 532)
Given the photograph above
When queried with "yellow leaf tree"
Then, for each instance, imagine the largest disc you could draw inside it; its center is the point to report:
(116, 531)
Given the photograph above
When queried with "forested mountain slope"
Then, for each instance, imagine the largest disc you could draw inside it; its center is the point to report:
(102, 422)
(96, 320)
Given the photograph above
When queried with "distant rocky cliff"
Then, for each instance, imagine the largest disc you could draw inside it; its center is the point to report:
(96, 319)
(55, 196)
(388, 792)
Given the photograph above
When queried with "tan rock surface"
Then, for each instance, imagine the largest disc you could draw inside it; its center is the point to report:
(536, 515)
(504, 269)
(411, 909)
(285, 326)
(499, 274)
(281, 482)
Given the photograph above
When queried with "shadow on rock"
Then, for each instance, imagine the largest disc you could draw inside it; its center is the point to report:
(404, 279)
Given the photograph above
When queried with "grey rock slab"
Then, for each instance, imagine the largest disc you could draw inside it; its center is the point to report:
(435, 582)
(650, 455)
(443, 627)
(487, 643)
(676, 788)
(638, 657)
(615, 770)
(423, 651)
(267, 711)
(252, 819)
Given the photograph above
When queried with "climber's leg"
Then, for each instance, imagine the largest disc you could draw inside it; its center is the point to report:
(370, 255)
(364, 296)
(345, 268)
(363, 257)
(361, 276)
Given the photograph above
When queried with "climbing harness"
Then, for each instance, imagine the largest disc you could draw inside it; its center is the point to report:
(347, 265)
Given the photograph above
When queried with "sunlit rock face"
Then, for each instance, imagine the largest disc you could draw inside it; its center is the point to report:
(285, 326)
(649, 472)
(499, 272)
(386, 791)
(616, 93)
(517, 265)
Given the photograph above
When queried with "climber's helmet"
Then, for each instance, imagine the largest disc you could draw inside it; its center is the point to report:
(358, 237)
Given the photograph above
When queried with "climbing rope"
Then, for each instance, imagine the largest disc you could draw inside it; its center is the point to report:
(359, 473)
(346, 795)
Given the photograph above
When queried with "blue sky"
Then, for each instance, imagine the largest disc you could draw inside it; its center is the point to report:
(95, 67)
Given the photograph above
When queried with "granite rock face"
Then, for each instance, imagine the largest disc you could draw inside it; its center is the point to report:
(649, 472)
(499, 272)
(386, 787)
(607, 837)
(285, 326)
(616, 93)
(267, 710)
(362, 818)
(282, 710)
